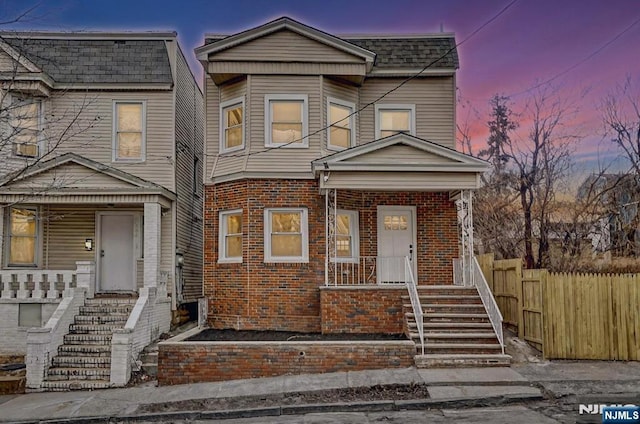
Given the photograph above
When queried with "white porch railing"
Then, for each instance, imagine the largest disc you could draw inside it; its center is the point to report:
(36, 284)
(367, 270)
(458, 279)
(488, 300)
(415, 300)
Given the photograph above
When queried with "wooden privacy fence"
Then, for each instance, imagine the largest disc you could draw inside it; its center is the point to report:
(569, 316)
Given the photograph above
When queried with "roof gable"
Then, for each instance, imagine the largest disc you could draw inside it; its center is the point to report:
(401, 152)
(284, 24)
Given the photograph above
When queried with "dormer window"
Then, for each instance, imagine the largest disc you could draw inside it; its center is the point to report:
(341, 119)
(395, 119)
(286, 120)
(232, 125)
(24, 125)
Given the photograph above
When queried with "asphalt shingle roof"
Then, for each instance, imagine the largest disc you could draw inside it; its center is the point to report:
(97, 61)
(414, 52)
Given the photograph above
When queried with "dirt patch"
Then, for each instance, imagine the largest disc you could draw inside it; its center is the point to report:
(12, 374)
(212, 335)
(521, 352)
(378, 392)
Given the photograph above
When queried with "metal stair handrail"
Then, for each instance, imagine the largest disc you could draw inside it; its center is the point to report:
(488, 300)
(415, 300)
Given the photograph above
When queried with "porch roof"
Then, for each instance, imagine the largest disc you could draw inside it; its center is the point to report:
(71, 178)
(399, 162)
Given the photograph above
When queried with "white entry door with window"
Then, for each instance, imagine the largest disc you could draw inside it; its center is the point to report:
(116, 257)
(396, 240)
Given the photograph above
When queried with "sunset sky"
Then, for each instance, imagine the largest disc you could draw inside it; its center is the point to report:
(586, 45)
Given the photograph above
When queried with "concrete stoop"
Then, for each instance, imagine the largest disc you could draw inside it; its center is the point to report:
(83, 361)
(457, 329)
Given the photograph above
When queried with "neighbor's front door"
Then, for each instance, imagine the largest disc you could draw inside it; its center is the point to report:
(116, 253)
(396, 240)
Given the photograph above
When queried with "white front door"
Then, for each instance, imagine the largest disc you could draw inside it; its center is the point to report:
(396, 240)
(116, 253)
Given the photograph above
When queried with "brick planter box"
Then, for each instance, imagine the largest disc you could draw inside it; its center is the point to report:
(183, 362)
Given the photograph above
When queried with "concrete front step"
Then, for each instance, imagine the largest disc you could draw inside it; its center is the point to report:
(451, 317)
(150, 363)
(79, 339)
(93, 328)
(77, 373)
(447, 291)
(437, 299)
(468, 348)
(453, 309)
(107, 301)
(120, 319)
(106, 309)
(78, 361)
(66, 385)
(85, 349)
(431, 360)
(452, 327)
(484, 337)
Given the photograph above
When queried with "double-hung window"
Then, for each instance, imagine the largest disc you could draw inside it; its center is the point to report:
(230, 236)
(232, 125)
(341, 121)
(129, 131)
(25, 122)
(286, 120)
(286, 237)
(347, 236)
(23, 236)
(395, 119)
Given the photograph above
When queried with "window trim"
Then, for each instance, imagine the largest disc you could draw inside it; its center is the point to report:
(354, 233)
(222, 233)
(395, 106)
(228, 105)
(304, 230)
(114, 140)
(9, 235)
(268, 98)
(39, 136)
(352, 122)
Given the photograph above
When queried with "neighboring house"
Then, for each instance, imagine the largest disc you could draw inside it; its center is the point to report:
(330, 163)
(100, 198)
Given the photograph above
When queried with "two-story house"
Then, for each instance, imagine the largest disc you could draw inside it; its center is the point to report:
(331, 179)
(100, 200)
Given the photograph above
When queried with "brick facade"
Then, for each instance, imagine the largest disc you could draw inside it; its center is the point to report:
(286, 296)
(195, 362)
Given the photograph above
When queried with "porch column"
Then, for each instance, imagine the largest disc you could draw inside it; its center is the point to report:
(2, 232)
(331, 201)
(465, 220)
(152, 243)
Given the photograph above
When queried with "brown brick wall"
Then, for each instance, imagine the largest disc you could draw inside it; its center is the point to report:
(281, 296)
(195, 362)
(368, 309)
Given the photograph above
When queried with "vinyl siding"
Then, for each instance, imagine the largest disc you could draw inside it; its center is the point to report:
(189, 140)
(338, 91)
(71, 175)
(401, 154)
(434, 100)
(285, 45)
(403, 181)
(8, 64)
(283, 159)
(91, 135)
(65, 229)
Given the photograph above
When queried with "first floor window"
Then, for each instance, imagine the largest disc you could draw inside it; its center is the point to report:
(129, 131)
(347, 235)
(23, 236)
(286, 235)
(395, 119)
(230, 243)
(25, 116)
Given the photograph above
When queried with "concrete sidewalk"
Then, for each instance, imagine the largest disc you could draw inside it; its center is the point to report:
(445, 387)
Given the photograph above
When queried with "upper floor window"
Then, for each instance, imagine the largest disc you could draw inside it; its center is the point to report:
(394, 119)
(129, 131)
(25, 115)
(23, 236)
(340, 116)
(230, 236)
(232, 125)
(286, 236)
(286, 120)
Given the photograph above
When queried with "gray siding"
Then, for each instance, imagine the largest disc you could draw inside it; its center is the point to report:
(401, 154)
(189, 128)
(409, 181)
(434, 99)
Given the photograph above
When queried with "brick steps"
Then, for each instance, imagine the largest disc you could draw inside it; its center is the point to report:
(457, 329)
(83, 361)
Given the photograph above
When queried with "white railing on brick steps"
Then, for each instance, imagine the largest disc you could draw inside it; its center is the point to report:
(36, 284)
(488, 300)
(415, 300)
(367, 270)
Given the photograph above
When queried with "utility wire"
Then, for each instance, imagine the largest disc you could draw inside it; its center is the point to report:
(356, 112)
